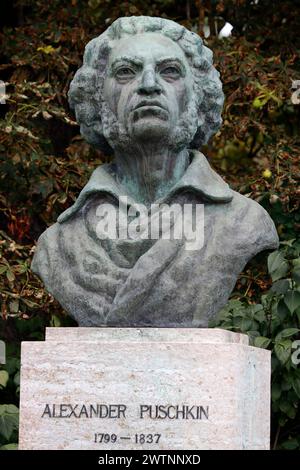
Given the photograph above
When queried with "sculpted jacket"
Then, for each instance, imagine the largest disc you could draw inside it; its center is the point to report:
(144, 282)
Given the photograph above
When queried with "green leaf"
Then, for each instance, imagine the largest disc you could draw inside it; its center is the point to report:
(12, 365)
(262, 342)
(290, 444)
(286, 333)
(275, 364)
(55, 321)
(4, 377)
(259, 103)
(296, 262)
(246, 324)
(277, 265)
(280, 287)
(257, 312)
(288, 242)
(235, 305)
(292, 300)
(283, 350)
(286, 385)
(9, 420)
(288, 409)
(276, 391)
(252, 335)
(3, 269)
(11, 446)
(291, 412)
(284, 406)
(10, 275)
(296, 275)
(255, 308)
(282, 310)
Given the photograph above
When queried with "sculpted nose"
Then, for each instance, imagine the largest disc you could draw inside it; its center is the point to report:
(149, 83)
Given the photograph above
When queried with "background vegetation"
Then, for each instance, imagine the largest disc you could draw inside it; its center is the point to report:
(44, 163)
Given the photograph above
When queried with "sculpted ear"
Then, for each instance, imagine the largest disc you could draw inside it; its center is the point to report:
(82, 86)
(85, 98)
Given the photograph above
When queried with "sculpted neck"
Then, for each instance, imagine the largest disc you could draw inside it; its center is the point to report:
(149, 172)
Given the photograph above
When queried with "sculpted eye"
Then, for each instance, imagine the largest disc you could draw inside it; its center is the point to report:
(171, 72)
(124, 73)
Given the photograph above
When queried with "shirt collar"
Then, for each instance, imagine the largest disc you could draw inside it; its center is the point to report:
(199, 178)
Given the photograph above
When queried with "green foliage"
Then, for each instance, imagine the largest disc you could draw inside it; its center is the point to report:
(9, 420)
(10, 389)
(274, 323)
(44, 163)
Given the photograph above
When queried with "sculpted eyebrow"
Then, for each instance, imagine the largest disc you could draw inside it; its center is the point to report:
(173, 60)
(129, 60)
(138, 63)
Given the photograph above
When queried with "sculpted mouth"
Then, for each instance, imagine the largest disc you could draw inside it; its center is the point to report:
(152, 104)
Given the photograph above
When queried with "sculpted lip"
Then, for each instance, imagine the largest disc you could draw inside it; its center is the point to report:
(149, 103)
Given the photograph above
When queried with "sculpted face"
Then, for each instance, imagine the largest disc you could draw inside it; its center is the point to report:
(148, 85)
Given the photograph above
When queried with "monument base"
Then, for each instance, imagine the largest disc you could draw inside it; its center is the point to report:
(148, 388)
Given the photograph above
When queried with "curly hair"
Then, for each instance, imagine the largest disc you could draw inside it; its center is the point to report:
(86, 95)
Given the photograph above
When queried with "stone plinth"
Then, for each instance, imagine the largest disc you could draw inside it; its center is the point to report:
(128, 388)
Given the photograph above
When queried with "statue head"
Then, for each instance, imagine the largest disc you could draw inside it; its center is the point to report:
(147, 79)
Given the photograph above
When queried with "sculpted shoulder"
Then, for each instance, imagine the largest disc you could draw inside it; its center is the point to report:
(46, 254)
(253, 227)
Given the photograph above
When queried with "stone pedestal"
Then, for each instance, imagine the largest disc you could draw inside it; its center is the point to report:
(129, 388)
